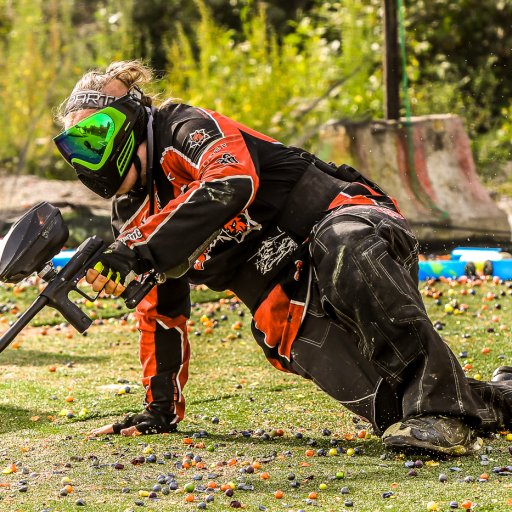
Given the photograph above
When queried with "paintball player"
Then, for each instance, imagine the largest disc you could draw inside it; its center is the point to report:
(320, 255)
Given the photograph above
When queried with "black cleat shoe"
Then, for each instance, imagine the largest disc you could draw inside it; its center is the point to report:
(501, 374)
(438, 434)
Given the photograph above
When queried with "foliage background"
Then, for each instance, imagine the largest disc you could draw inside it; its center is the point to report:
(286, 68)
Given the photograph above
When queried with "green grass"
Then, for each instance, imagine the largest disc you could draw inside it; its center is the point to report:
(45, 435)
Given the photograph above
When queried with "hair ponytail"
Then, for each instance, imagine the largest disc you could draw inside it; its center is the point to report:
(130, 72)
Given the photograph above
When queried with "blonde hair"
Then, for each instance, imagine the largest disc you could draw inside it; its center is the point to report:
(129, 72)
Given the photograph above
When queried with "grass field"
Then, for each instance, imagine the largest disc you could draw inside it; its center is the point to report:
(253, 437)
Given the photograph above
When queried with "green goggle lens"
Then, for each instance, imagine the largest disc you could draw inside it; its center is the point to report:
(89, 142)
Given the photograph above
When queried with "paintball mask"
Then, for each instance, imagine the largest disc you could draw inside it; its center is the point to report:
(102, 147)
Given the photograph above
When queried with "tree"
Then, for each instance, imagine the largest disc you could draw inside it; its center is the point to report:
(327, 66)
(460, 62)
(42, 53)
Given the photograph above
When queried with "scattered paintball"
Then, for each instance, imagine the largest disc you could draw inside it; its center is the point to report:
(229, 453)
(298, 154)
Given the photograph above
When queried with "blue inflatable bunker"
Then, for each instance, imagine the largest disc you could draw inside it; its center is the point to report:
(454, 267)
(62, 258)
(469, 260)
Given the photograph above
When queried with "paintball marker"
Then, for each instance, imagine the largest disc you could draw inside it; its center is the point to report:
(30, 245)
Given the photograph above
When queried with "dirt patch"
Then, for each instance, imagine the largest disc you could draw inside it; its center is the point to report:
(18, 193)
(84, 212)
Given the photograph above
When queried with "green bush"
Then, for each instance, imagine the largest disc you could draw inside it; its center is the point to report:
(43, 51)
(459, 60)
(325, 66)
(288, 87)
(494, 151)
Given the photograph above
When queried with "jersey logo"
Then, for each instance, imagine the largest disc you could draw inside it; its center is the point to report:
(234, 230)
(198, 138)
(193, 131)
(238, 228)
(131, 236)
(226, 159)
(272, 251)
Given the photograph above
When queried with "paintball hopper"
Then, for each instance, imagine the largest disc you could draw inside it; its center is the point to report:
(32, 242)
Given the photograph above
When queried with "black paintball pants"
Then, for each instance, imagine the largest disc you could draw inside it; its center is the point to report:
(367, 340)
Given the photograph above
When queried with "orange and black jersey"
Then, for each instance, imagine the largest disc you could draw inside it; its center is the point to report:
(221, 190)
(219, 187)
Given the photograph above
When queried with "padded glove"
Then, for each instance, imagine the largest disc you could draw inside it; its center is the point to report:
(121, 264)
(146, 422)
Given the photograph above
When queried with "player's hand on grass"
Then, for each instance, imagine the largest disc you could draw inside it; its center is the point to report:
(146, 422)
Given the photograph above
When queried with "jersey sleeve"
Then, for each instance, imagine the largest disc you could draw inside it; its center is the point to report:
(210, 166)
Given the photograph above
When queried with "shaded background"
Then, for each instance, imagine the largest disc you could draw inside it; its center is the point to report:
(286, 68)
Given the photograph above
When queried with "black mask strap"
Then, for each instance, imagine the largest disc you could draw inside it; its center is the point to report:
(138, 164)
(149, 169)
(138, 167)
